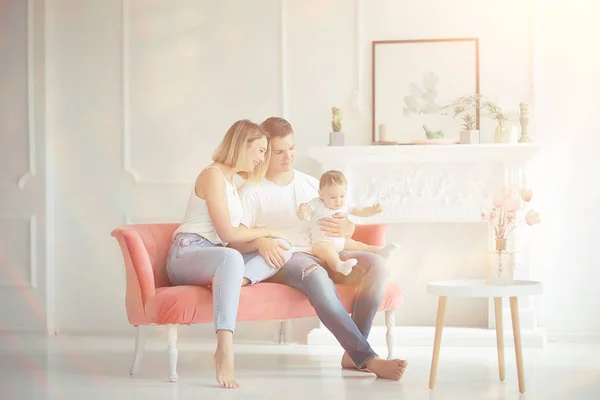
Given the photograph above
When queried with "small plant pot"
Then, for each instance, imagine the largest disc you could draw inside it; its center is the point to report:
(469, 137)
(336, 138)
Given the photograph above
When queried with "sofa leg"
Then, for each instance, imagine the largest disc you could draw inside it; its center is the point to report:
(390, 337)
(140, 342)
(285, 331)
(173, 352)
(282, 332)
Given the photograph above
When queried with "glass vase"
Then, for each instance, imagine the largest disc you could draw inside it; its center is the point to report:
(500, 132)
(501, 266)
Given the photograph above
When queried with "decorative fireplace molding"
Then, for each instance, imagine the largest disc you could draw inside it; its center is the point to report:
(445, 183)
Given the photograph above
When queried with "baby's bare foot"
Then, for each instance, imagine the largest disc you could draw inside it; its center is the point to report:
(387, 251)
(347, 363)
(224, 369)
(387, 369)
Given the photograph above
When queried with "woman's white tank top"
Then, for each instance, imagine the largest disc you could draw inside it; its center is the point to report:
(197, 220)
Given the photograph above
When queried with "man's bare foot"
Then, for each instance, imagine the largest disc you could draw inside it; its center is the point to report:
(224, 369)
(387, 369)
(347, 363)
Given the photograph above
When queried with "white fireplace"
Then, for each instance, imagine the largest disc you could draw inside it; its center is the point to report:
(432, 198)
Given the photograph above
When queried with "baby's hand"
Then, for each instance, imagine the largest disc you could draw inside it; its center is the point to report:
(303, 211)
(377, 208)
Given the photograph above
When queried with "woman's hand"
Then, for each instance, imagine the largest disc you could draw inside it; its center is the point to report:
(271, 251)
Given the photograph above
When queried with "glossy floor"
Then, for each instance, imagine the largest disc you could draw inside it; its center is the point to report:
(91, 368)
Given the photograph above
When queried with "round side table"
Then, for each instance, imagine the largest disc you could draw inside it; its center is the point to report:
(479, 288)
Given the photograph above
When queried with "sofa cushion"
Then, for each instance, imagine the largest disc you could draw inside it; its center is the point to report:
(264, 301)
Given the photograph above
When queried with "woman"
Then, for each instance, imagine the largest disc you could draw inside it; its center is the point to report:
(198, 255)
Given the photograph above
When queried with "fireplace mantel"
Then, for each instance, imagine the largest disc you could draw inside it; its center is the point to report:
(433, 183)
(426, 183)
(506, 154)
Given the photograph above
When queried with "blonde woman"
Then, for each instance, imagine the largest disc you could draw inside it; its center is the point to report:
(198, 255)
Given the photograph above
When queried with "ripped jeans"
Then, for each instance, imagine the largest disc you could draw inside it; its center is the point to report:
(193, 260)
(304, 273)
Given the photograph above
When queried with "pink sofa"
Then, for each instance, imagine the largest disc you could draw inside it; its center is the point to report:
(151, 300)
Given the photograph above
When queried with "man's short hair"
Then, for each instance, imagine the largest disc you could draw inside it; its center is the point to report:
(277, 127)
(330, 178)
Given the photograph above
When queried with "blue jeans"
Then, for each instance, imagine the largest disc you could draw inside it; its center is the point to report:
(193, 260)
(304, 273)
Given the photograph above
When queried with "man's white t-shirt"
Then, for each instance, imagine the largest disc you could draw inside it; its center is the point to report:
(273, 206)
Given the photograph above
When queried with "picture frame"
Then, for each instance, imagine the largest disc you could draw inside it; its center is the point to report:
(413, 80)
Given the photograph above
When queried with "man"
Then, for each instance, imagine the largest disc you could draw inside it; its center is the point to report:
(273, 203)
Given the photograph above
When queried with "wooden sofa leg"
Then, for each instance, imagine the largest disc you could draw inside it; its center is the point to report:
(173, 352)
(140, 343)
(390, 337)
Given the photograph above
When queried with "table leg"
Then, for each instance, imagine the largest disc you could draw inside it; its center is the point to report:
(438, 340)
(499, 336)
(514, 311)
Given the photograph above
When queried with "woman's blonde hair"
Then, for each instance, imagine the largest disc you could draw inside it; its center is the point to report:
(232, 149)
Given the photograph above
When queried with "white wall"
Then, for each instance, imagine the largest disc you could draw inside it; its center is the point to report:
(568, 84)
(23, 262)
(191, 68)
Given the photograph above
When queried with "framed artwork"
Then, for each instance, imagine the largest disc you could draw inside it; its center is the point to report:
(412, 82)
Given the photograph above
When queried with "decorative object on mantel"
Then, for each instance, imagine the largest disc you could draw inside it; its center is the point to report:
(524, 119)
(383, 136)
(494, 111)
(469, 134)
(507, 214)
(433, 134)
(409, 84)
(434, 141)
(336, 138)
(502, 133)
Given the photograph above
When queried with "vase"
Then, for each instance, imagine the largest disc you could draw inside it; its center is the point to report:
(501, 266)
(499, 132)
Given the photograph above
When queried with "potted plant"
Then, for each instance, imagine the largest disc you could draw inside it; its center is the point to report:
(509, 210)
(336, 138)
(477, 101)
(464, 107)
(470, 133)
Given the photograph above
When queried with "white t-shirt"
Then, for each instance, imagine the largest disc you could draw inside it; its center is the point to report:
(273, 206)
(320, 210)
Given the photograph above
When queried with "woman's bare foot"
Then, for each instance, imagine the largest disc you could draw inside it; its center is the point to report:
(347, 363)
(224, 369)
(387, 369)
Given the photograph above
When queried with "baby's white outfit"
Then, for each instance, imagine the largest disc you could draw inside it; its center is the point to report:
(320, 210)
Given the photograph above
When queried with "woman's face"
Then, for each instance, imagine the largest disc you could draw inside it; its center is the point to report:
(255, 154)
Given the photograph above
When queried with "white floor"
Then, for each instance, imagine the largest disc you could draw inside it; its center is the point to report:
(90, 368)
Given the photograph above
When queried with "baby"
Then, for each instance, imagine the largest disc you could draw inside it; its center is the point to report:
(331, 201)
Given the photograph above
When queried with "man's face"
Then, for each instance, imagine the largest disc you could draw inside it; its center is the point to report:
(283, 153)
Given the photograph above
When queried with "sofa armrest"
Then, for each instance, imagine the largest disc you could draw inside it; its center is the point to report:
(140, 276)
(371, 234)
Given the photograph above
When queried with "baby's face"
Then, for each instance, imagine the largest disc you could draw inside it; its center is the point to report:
(334, 196)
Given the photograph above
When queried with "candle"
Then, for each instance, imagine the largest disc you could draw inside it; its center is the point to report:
(383, 133)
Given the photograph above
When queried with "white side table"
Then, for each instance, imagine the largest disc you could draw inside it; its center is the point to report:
(478, 288)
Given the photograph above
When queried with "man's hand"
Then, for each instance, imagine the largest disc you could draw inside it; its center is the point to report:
(336, 226)
(270, 250)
